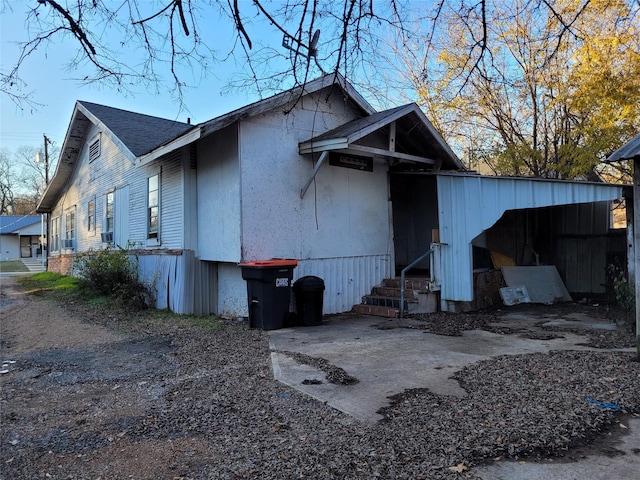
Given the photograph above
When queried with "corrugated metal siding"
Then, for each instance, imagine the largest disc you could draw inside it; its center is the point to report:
(346, 279)
(468, 205)
(583, 219)
(205, 289)
(581, 276)
(174, 277)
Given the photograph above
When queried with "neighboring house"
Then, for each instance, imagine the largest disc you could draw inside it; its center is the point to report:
(21, 236)
(315, 174)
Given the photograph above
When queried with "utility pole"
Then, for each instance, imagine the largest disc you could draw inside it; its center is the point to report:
(45, 217)
(46, 160)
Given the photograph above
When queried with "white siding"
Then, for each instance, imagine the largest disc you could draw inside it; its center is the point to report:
(9, 247)
(175, 275)
(218, 197)
(122, 208)
(171, 228)
(190, 199)
(112, 170)
(468, 205)
(171, 202)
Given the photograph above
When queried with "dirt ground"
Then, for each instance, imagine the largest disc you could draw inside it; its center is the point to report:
(74, 377)
(85, 395)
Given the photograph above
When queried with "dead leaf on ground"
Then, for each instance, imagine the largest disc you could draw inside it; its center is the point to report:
(461, 467)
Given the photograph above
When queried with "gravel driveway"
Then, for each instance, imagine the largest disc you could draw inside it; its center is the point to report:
(89, 395)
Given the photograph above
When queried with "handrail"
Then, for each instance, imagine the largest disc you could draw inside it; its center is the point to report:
(402, 277)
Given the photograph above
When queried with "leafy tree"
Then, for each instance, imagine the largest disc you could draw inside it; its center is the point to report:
(22, 179)
(8, 184)
(33, 169)
(555, 92)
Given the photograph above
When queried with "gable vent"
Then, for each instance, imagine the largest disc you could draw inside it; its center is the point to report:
(94, 150)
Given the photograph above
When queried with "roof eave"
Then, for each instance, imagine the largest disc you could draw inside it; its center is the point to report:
(263, 106)
(184, 139)
(629, 151)
(68, 156)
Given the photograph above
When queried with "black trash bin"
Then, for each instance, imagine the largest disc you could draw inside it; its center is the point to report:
(268, 291)
(309, 294)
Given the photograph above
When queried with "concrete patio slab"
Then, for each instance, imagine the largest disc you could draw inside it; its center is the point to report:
(387, 356)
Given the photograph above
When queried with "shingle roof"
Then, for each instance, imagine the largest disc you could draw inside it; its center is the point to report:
(140, 133)
(12, 223)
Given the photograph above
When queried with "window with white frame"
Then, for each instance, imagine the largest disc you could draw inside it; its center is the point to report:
(153, 206)
(107, 232)
(69, 229)
(55, 234)
(91, 215)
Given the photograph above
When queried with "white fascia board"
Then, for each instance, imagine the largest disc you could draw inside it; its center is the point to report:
(107, 132)
(363, 132)
(186, 139)
(323, 145)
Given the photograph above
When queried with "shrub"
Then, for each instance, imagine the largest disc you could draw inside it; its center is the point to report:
(114, 272)
(625, 294)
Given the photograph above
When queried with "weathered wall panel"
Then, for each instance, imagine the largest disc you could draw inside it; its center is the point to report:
(218, 197)
(344, 212)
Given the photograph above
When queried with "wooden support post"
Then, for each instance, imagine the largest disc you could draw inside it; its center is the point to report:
(313, 175)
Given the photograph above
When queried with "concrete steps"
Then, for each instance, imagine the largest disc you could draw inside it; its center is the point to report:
(33, 264)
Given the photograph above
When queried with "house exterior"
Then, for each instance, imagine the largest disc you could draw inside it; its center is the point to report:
(22, 236)
(314, 173)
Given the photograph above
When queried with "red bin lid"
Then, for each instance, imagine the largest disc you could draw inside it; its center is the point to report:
(272, 263)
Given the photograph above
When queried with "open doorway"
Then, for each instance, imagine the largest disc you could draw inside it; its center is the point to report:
(414, 199)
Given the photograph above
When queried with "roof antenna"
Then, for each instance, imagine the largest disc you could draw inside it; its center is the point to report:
(288, 41)
(312, 49)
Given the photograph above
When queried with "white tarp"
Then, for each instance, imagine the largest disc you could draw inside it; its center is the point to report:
(543, 283)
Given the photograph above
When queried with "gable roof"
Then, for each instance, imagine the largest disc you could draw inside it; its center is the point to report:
(134, 133)
(628, 151)
(280, 100)
(138, 132)
(411, 137)
(14, 223)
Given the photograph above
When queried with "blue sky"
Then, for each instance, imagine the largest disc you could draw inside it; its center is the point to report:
(56, 90)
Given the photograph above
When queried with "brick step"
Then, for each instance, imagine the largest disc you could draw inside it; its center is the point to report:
(382, 301)
(409, 283)
(394, 292)
(376, 310)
